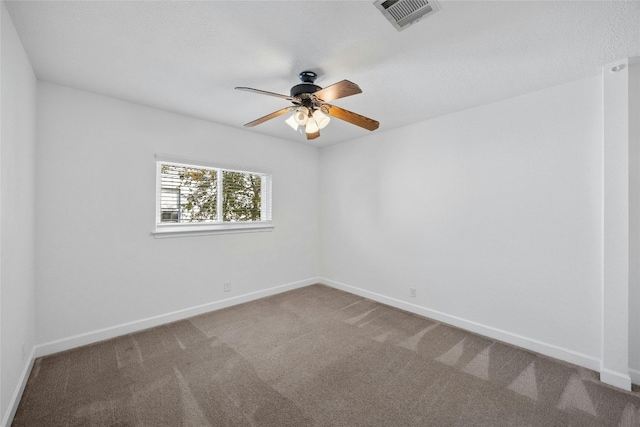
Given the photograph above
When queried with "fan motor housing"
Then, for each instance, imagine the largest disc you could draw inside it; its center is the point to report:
(307, 78)
(304, 88)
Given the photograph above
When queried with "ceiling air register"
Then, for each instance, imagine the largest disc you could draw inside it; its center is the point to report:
(403, 13)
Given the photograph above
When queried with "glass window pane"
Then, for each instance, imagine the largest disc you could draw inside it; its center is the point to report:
(188, 194)
(241, 196)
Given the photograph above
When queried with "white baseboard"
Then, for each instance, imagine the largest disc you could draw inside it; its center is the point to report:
(487, 331)
(17, 394)
(635, 376)
(616, 379)
(139, 325)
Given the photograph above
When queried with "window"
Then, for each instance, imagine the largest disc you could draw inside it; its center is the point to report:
(201, 199)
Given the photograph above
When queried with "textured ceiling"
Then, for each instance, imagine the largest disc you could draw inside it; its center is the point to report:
(187, 56)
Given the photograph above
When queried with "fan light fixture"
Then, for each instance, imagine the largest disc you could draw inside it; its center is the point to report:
(321, 119)
(301, 116)
(291, 121)
(312, 121)
(311, 126)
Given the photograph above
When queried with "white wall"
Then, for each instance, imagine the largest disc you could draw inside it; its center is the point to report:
(634, 219)
(619, 224)
(493, 214)
(98, 265)
(17, 224)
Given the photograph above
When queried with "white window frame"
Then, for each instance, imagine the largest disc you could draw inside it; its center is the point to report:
(162, 230)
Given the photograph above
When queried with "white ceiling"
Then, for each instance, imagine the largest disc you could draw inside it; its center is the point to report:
(187, 56)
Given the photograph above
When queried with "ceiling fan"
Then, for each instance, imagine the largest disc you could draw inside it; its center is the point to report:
(311, 107)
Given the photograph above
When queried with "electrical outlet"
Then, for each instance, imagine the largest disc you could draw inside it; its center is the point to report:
(227, 286)
(412, 292)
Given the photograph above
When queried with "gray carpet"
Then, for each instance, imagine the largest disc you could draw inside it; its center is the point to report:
(314, 356)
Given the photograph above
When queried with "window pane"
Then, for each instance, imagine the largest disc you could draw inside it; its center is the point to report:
(241, 196)
(215, 197)
(188, 194)
(170, 204)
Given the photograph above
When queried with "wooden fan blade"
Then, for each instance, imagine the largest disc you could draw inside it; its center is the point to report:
(353, 118)
(270, 116)
(264, 92)
(313, 135)
(338, 90)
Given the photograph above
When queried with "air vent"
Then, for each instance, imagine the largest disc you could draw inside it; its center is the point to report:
(403, 13)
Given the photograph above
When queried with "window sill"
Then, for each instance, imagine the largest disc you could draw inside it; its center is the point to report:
(185, 230)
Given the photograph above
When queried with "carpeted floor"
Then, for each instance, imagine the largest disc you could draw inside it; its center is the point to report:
(315, 356)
